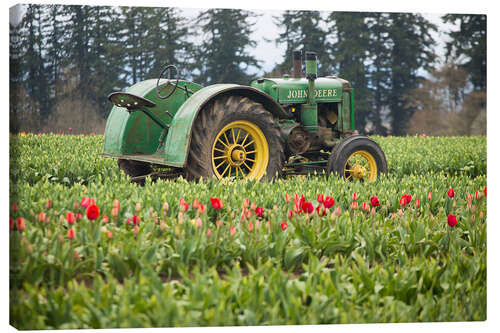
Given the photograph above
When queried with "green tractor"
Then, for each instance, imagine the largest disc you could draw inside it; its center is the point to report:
(273, 127)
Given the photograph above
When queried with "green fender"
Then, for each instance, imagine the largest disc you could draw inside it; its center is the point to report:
(179, 134)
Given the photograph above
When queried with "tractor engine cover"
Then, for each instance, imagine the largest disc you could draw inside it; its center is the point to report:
(299, 140)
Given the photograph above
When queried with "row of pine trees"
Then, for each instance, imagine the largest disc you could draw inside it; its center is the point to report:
(66, 58)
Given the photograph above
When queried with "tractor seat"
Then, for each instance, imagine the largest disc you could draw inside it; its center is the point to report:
(129, 101)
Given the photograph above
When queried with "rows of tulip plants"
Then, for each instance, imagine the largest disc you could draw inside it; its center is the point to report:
(101, 252)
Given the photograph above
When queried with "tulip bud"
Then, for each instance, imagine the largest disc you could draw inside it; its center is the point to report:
(232, 232)
(290, 214)
(268, 225)
(109, 234)
(15, 208)
(245, 203)
(198, 222)
(253, 206)
(70, 217)
(196, 204)
(180, 217)
(49, 204)
(76, 206)
(114, 212)
(250, 226)
(478, 195)
(365, 206)
(76, 255)
(116, 204)
(481, 215)
(338, 211)
(417, 203)
(400, 213)
(136, 229)
(41, 217)
(287, 198)
(248, 213)
(138, 207)
(163, 225)
(320, 198)
(429, 196)
(354, 196)
(105, 219)
(21, 225)
(373, 212)
(209, 233)
(165, 208)
(354, 205)
(71, 234)
(11, 224)
(61, 238)
(451, 192)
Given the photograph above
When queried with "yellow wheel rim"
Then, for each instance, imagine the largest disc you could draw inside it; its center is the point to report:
(240, 150)
(361, 165)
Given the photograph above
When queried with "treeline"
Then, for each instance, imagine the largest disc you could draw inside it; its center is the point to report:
(65, 60)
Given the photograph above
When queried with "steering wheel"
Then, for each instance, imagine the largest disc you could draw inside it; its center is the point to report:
(167, 68)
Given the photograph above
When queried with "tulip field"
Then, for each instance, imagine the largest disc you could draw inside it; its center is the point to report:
(90, 249)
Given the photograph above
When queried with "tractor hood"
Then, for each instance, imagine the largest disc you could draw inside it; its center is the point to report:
(294, 91)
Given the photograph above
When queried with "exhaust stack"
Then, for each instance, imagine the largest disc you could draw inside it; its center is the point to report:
(297, 64)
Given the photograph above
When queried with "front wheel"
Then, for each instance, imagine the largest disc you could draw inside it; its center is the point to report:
(357, 158)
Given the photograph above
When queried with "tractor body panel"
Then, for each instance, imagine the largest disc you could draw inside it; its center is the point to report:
(294, 91)
(179, 134)
(133, 135)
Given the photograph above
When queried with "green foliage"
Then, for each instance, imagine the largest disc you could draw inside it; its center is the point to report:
(397, 264)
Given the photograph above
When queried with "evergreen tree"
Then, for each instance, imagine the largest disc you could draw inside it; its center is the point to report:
(223, 54)
(350, 54)
(169, 43)
(468, 46)
(55, 36)
(33, 64)
(302, 31)
(379, 47)
(411, 51)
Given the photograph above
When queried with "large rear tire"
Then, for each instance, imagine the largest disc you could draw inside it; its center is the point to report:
(235, 137)
(357, 158)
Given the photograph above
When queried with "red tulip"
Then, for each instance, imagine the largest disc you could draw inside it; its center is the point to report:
(11, 224)
(109, 234)
(417, 203)
(136, 229)
(250, 226)
(105, 219)
(71, 234)
(209, 233)
(217, 203)
(21, 226)
(297, 209)
(232, 232)
(114, 211)
(14, 207)
(365, 206)
(92, 212)
(485, 191)
(201, 209)
(329, 202)
(70, 217)
(374, 201)
(253, 206)
(405, 200)
(49, 204)
(452, 220)
(320, 198)
(259, 211)
(78, 216)
(451, 192)
(287, 198)
(354, 196)
(290, 214)
(354, 205)
(429, 196)
(129, 221)
(308, 207)
(478, 195)
(321, 210)
(284, 225)
(116, 204)
(85, 202)
(136, 219)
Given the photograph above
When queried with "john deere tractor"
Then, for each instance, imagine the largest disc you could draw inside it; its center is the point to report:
(168, 127)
